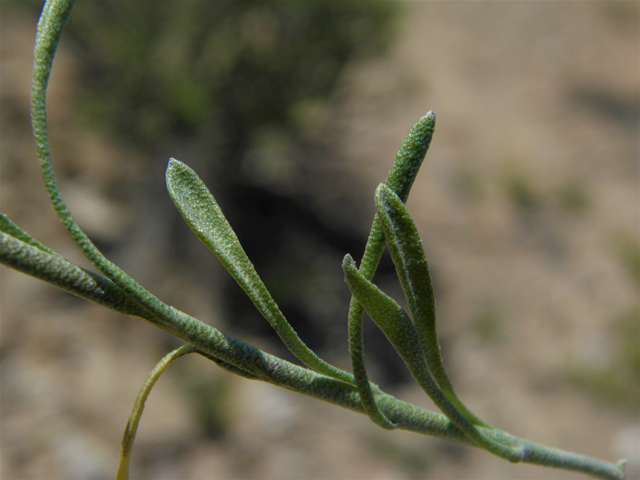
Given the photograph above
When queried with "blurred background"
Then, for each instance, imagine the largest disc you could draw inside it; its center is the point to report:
(292, 112)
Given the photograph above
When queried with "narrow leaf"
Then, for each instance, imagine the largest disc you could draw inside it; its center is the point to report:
(403, 172)
(405, 246)
(388, 316)
(410, 156)
(397, 327)
(206, 220)
(10, 228)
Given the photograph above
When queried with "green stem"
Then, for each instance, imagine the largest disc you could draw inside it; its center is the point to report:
(265, 367)
(57, 271)
(138, 406)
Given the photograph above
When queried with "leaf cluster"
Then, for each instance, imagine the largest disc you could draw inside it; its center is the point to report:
(413, 334)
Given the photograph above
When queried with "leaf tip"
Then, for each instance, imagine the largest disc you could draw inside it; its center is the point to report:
(431, 115)
(173, 164)
(348, 262)
(384, 194)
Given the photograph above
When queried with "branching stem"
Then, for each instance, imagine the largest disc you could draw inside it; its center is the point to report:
(413, 337)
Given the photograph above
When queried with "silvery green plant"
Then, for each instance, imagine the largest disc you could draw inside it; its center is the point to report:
(413, 335)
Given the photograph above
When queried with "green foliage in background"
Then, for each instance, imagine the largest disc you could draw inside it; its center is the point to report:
(198, 67)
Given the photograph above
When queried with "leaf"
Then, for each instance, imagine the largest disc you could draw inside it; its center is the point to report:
(400, 331)
(8, 227)
(398, 328)
(410, 156)
(388, 316)
(403, 172)
(203, 215)
(405, 246)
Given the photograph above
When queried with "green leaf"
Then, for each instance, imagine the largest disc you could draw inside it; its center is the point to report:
(10, 228)
(204, 217)
(398, 328)
(390, 318)
(410, 156)
(403, 172)
(405, 246)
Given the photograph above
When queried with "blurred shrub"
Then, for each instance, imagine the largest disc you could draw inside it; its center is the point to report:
(216, 70)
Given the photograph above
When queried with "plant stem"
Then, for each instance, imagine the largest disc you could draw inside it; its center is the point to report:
(138, 406)
(262, 366)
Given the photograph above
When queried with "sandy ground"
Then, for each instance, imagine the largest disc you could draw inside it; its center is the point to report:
(528, 207)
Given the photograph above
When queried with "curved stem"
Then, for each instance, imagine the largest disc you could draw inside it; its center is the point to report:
(54, 17)
(138, 406)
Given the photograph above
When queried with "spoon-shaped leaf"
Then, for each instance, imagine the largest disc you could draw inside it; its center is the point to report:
(204, 217)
